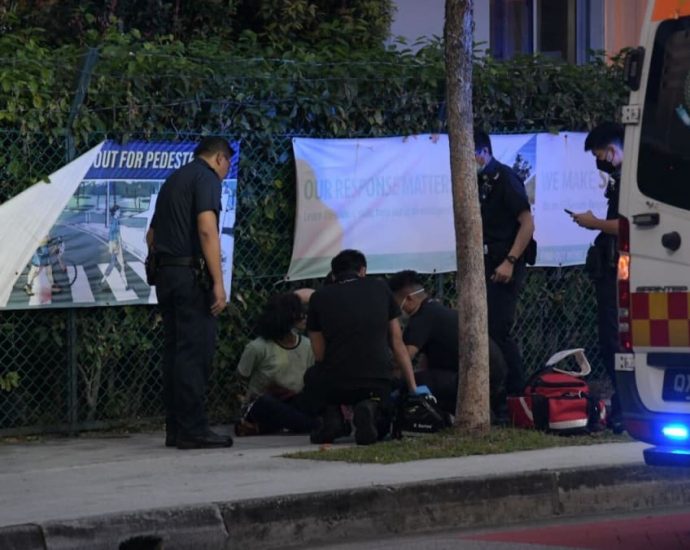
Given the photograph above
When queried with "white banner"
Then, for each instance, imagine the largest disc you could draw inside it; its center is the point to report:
(391, 198)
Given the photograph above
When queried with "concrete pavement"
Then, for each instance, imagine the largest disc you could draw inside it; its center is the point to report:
(92, 492)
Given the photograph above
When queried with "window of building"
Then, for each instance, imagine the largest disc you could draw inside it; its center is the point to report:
(561, 29)
(511, 28)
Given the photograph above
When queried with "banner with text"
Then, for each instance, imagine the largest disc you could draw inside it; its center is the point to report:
(391, 198)
(79, 240)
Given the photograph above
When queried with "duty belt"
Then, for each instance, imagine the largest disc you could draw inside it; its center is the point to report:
(177, 261)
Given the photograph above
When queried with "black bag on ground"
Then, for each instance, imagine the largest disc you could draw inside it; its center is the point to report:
(418, 414)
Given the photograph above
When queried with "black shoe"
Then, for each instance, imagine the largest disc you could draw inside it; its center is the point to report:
(615, 424)
(365, 417)
(330, 426)
(210, 440)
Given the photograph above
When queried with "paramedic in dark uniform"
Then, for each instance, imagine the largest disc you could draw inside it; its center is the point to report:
(606, 144)
(508, 226)
(431, 332)
(189, 287)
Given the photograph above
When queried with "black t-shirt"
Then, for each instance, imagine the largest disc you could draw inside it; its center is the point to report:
(606, 240)
(433, 329)
(353, 317)
(189, 191)
(503, 198)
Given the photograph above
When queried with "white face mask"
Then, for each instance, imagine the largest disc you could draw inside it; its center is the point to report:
(404, 314)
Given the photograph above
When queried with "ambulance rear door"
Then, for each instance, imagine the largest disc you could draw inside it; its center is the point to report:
(655, 200)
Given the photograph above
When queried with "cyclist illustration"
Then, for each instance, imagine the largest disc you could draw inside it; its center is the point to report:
(115, 246)
(42, 261)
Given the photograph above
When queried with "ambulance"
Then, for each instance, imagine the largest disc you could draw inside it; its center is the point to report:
(653, 366)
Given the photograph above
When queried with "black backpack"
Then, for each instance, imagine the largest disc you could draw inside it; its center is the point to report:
(418, 414)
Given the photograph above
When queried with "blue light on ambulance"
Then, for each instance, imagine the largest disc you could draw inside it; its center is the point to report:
(675, 432)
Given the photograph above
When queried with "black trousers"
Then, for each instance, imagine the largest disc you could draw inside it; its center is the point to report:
(273, 415)
(607, 320)
(190, 341)
(443, 383)
(322, 390)
(501, 304)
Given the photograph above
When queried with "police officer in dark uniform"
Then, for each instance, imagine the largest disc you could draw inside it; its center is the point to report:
(508, 226)
(606, 144)
(184, 240)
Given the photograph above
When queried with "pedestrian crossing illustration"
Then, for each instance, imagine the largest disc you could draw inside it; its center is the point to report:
(90, 286)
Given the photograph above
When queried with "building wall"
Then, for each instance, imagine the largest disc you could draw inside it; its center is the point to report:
(620, 27)
(623, 23)
(424, 18)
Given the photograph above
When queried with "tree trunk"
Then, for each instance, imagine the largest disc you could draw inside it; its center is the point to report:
(472, 410)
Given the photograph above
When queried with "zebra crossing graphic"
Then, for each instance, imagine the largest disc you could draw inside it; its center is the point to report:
(87, 287)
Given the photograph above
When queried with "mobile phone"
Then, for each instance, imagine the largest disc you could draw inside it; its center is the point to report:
(569, 211)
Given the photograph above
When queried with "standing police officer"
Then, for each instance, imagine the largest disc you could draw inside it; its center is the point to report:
(606, 144)
(189, 286)
(508, 226)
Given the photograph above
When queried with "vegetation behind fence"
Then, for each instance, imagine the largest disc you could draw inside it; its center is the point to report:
(72, 369)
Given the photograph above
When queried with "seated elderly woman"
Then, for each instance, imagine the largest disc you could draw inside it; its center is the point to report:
(274, 364)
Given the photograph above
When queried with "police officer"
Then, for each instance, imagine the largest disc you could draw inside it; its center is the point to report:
(606, 144)
(189, 286)
(508, 226)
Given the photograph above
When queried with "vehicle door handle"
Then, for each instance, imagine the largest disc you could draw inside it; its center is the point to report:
(671, 240)
(647, 219)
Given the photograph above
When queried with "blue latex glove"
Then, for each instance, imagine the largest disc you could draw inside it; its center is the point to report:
(422, 390)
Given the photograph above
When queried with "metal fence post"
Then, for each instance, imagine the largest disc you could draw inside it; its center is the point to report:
(87, 67)
(72, 374)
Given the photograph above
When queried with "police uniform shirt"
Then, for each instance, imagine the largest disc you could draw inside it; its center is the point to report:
(503, 198)
(353, 316)
(433, 330)
(189, 191)
(612, 193)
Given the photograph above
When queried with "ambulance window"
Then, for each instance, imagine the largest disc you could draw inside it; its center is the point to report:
(663, 171)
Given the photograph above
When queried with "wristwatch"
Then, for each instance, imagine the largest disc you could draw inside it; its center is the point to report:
(511, 259)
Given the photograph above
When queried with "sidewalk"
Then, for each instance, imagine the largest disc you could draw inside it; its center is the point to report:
(102, 489)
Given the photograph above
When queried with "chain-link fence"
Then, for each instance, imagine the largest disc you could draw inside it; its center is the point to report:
(75, 369)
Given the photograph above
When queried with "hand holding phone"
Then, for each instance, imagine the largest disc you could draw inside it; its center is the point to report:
(569, 212)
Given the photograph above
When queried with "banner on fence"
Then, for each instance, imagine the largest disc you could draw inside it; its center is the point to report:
(391, 198)
(78, 240)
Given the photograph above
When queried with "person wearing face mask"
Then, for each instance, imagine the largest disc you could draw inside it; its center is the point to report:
(431, 332)
(507, 227)
(605, 142)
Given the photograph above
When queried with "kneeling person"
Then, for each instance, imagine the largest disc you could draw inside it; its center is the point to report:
(432, 330)
(353, 327)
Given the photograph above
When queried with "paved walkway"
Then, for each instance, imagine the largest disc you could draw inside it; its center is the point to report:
(58, 479)
(95, 491)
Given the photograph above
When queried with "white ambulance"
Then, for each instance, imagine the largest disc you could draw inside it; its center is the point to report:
(653, 368)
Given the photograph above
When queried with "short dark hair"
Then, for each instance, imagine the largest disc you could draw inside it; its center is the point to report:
(603, 135)
(404, 279)
(348, 260)
(481, 140)
(279, 316)
(114, 208)
(212, 145)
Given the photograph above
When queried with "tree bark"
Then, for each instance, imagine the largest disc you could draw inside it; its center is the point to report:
(472, 409)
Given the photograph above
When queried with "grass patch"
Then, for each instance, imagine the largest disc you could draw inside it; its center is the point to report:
(448, 444)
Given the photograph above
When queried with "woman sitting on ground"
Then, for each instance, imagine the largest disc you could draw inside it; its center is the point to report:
(275, 363)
